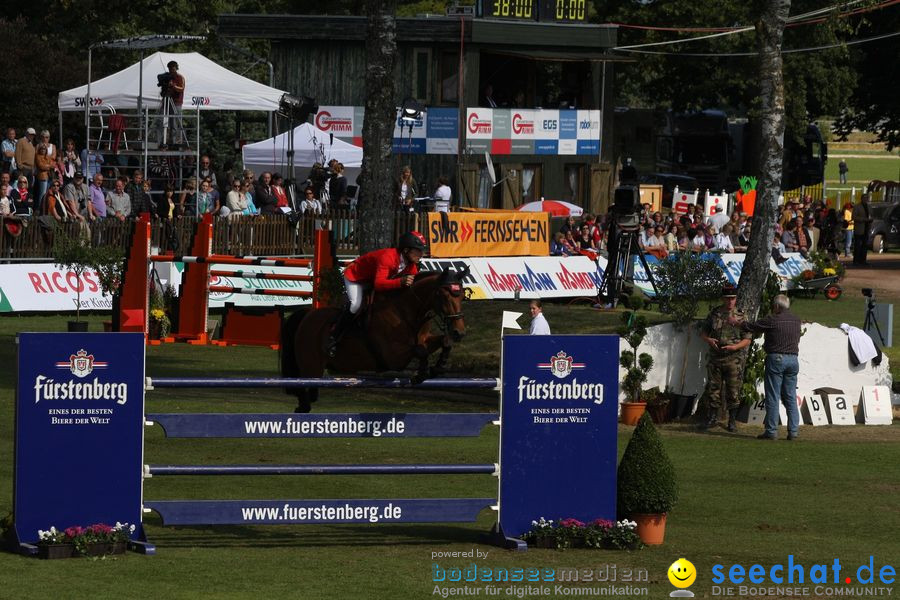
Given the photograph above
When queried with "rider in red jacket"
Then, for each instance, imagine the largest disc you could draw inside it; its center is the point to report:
(381, 270)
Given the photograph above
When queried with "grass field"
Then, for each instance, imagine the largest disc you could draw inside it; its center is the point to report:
(863, 169)
(831, 495)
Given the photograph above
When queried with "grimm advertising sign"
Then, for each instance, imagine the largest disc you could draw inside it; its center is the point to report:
(489, 234)
(80, 429)
(559, 408)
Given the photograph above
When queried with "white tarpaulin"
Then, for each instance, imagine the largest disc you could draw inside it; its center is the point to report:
(208, 86)
(310, 146)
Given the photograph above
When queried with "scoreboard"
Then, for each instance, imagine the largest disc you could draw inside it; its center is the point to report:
(547, 11)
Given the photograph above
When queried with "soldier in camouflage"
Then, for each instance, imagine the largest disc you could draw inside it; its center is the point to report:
(722, 331)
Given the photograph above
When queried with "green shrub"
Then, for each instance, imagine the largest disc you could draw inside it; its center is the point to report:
(637, 365)
(646, 477)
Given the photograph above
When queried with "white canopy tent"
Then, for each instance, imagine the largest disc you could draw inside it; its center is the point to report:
(310, 146)
(208, 86)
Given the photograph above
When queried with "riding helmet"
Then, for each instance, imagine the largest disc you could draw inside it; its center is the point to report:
(412, 239)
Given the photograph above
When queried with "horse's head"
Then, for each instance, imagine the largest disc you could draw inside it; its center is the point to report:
(448, 302)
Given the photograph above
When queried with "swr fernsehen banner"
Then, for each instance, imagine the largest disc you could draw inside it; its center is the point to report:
(489, 234)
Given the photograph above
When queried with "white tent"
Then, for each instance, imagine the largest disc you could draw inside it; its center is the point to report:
(209, 86)
(311, 146)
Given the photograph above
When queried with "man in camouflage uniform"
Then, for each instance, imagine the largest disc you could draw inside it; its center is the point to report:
(722, 331)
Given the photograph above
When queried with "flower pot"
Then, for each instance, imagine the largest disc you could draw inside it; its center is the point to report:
(651, 528)
(632, 412)
(104, 548)
(79, 326)
(659, 412)
(54, 551)
(546, 542)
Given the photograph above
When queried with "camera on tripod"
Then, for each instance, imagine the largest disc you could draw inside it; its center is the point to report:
(627, 207)
(163, 80)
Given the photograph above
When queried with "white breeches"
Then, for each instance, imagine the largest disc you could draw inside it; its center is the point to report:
(356, 292)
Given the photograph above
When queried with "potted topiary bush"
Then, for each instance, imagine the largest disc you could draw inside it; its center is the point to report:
(637, 365)
(646, 485)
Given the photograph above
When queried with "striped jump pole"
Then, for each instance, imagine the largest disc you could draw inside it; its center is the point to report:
(474, 469)
(227, 289)
(223, 259)
(252, 275)
(320, 382)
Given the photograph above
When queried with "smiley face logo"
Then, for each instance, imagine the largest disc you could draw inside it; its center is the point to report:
(682, 573)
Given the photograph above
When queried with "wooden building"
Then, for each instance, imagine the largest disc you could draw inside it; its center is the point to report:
(529, 64)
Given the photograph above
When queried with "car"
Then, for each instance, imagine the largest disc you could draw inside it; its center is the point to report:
(669, 181)
(885, 230)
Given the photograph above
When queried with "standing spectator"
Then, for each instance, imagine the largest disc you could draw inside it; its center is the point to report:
(263, 197)
(77, 194)
(173, 93)
(69, 162)
(744, 239)
(789, 237)
(670, 239)
(804, 241)
(719, 218)
(8, 151)
(782, 331)
(847, 227)
(862, 220)
(7, 207)
(831, 237)
(206, 171)
(842, 171)
(813, 233)
(337, 189)
(91, 161)
(24, 155)
(97, 206)
(51, 147)
(207, 199)
(722, 331)
(281, 199)
(443, 195)
(44, 166)
(118, 202)
(187, 203)
(141, 201)
(309, 203)
(539, 325)
(167, 208)
(405, 189)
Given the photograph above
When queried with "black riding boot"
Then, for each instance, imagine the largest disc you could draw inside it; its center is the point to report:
(732, 420)
(337, 332)
(712, 418)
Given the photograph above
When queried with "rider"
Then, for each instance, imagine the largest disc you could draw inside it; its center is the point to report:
(383, 270)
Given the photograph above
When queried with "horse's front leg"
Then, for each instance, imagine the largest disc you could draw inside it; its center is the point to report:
(426, 346)
(438, 369)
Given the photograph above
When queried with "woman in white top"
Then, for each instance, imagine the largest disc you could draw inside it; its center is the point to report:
(309, 203)
(236, 199)
(723, 239)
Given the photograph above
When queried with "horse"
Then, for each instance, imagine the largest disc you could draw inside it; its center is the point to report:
(387, 336)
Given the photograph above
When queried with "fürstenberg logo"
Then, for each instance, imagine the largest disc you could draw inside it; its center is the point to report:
(561, 366)
(80, 364)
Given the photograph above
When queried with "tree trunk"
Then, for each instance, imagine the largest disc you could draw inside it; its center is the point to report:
(376, 203)
(770, 34)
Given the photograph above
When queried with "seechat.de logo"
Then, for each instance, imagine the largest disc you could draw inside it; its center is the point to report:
(682, 575)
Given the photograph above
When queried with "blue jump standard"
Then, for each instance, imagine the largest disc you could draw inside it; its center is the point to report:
(488, 469)
(327, 382)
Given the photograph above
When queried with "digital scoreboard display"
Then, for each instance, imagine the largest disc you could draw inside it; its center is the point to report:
(548, 11)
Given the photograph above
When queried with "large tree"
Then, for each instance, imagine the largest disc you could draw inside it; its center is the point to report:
(376, 193)
(770, 35)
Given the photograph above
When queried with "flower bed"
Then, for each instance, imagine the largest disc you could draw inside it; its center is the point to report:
(572, 533)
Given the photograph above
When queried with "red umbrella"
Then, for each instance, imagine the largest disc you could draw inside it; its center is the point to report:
(557, 208)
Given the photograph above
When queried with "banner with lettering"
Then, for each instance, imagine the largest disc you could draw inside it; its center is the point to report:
(488, 234)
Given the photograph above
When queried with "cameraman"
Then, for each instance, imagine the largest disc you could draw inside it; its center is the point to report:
(171, 91)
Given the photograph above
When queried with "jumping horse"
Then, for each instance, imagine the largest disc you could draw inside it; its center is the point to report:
(395, 329)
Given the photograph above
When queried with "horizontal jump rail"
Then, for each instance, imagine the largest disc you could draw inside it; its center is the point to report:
(325, 382)
(227, 289)
(324, 511)
(473, 469)
(251, 275)
(333, 425)
(260, 261)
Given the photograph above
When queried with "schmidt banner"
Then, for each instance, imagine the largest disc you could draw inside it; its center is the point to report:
(462, 234)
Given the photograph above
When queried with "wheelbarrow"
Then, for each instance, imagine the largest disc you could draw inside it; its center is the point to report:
(828, 285)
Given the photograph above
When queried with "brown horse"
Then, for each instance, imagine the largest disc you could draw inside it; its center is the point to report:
(395, 329)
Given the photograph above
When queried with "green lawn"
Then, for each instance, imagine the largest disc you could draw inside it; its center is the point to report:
(863, 170)
(831, 495)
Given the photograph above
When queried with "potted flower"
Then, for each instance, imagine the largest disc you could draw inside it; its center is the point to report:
(637, 366)
(646, 488)
(53, 544)
(609, 535)
(97, 540)
(542, 534)
(161, 301)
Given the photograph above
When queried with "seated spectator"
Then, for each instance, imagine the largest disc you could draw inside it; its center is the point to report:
(54, 206)
(68, 162)
(118, 202)
(743, 241)
(670, 239)
(778, 249)
(236, 200)
(21, 197)
(684, 237)
(281, 199)
(646, 233)
(559, 247)
(187, 203)
(77, 194)
(586, 240)
(7, 207)
(247, 189)
(568, 226)
(722, 240)
(698, 240)
(310, 204)
(656, 246)
(789, 238)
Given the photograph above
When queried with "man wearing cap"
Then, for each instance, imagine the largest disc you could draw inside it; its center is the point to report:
(719, 218)
(722, 331)
(25, 152)
(77, 195)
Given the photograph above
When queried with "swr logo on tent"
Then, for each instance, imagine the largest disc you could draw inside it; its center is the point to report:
(200, 100)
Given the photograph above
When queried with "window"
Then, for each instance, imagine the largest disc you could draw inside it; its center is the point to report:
(422, 75)
(574, 184)
(449, 77)
(531, 183)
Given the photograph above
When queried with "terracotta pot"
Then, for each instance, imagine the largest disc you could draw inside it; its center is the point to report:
(632, 412)
(651, 528)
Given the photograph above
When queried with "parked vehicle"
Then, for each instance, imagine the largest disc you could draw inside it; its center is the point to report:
(885, 226)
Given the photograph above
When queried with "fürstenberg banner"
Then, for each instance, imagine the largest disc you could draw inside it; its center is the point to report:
(45, 287)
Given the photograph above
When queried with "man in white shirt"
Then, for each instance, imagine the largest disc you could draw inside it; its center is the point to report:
(539, 325)
(718, 219)
(442, 195)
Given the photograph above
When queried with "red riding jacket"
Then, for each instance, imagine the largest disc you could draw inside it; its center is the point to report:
(381, 268)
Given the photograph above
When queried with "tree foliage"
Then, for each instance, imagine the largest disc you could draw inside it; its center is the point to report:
(646, 477)
(684, 279)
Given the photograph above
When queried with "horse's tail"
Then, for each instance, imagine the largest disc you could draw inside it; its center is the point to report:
(289, 366)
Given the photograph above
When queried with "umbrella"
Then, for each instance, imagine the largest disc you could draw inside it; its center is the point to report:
(557, 208)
